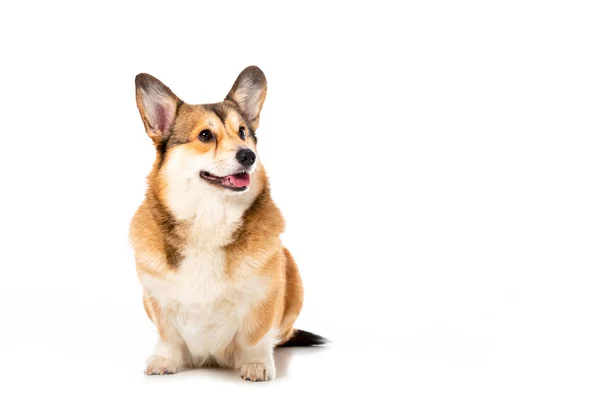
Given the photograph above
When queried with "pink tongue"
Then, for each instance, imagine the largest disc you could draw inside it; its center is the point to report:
(238, 180)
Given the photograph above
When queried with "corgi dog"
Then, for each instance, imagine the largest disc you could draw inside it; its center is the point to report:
(219, 285)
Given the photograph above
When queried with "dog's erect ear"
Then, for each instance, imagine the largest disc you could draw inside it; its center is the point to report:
(157, 105)
(249, 92)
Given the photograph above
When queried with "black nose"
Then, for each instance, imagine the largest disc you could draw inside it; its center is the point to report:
(246, 157)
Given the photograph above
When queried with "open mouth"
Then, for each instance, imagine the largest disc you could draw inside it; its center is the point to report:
(236, 182)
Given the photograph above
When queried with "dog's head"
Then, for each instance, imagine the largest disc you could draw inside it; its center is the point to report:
(209, 146)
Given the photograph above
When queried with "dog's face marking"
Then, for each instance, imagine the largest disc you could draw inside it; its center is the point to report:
(211, 144)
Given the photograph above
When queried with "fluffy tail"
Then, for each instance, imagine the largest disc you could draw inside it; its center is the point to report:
(302, 338)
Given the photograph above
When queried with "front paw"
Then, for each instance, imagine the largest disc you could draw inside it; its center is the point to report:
(256, 372)
(160, 366)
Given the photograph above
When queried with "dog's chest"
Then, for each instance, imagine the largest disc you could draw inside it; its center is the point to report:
(208, 307)
(211, 306)
(201, 276)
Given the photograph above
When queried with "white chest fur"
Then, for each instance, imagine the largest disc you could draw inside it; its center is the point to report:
(206, 306)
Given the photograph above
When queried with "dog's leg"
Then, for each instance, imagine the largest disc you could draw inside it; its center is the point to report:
(256, 361)
(260, 331)
(168, 358)
(170, 353)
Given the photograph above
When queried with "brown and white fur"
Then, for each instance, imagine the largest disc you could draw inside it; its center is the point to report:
(218, 283)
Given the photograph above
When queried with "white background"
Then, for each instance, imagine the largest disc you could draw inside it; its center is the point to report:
(437, 164)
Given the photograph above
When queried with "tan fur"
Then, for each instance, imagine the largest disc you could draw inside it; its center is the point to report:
(243, 265)
(294, 295)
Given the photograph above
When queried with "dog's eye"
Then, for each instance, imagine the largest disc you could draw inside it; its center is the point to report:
(205, 136)
(243, 133)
